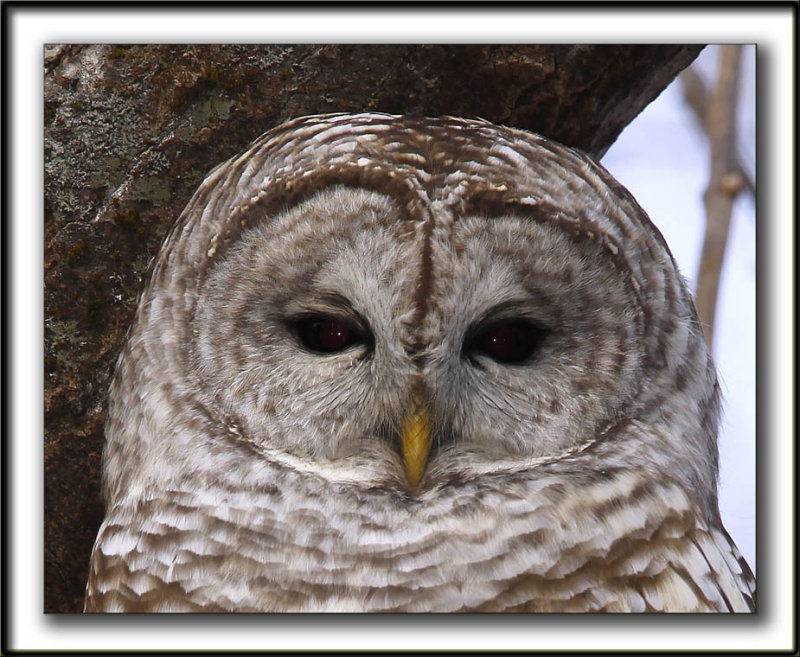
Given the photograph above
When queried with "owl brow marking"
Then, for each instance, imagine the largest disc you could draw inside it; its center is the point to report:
(334, 305)
(331, 301)
(494, 206)
(510, 309)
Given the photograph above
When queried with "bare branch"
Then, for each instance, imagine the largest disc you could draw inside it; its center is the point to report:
(726, 181)
(696, 96)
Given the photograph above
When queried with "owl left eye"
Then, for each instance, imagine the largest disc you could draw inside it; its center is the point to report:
(508, 342)
(327, 335)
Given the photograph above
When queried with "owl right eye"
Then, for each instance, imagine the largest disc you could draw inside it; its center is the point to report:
(509, 342)
(327, 335)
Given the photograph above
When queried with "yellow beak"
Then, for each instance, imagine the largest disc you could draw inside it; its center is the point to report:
(415, 439)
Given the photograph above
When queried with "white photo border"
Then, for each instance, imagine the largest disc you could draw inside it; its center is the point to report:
(27, 27)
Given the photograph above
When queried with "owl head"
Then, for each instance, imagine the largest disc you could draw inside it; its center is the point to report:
(407, 304)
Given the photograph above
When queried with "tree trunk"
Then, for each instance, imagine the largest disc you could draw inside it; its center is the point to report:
(130, 132)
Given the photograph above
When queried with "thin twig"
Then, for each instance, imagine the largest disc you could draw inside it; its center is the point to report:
(726, 181)
(696, 96)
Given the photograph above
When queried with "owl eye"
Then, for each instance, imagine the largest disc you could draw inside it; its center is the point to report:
(509, 342)
(327, 335)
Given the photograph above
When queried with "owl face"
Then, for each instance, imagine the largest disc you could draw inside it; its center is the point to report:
(415, 301)
(514, 338)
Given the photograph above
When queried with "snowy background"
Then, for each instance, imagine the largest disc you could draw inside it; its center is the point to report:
(662, 157)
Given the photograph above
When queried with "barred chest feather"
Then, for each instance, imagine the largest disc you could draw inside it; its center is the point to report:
(529, 546)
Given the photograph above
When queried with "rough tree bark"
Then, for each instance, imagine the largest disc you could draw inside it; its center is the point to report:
(131, 131)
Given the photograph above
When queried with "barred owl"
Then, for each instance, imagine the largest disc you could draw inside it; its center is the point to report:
(399, 364)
